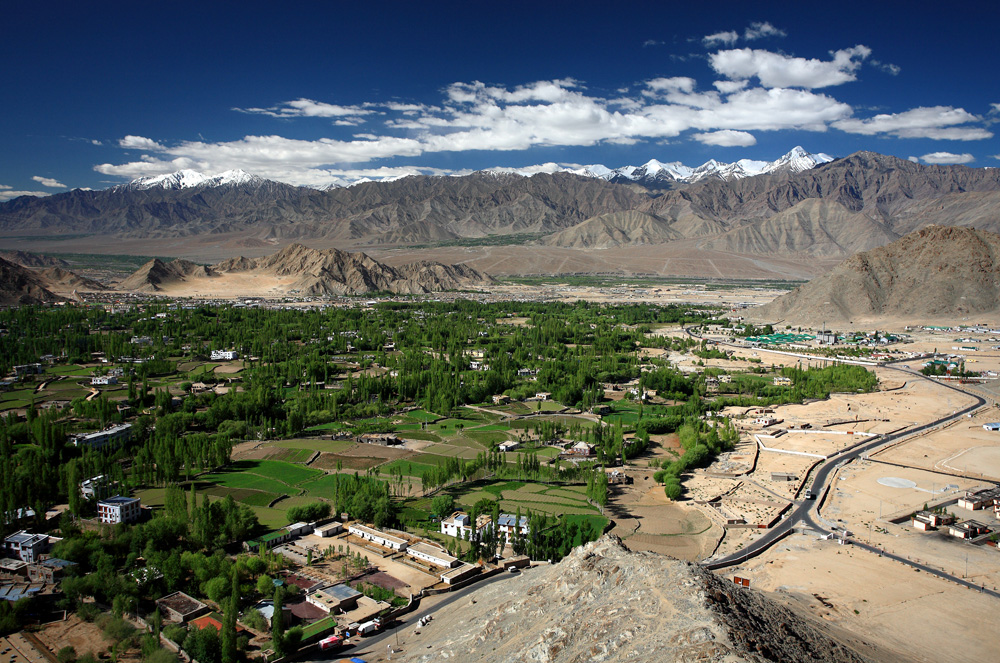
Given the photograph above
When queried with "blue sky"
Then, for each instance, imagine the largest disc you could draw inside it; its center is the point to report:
(312, 93)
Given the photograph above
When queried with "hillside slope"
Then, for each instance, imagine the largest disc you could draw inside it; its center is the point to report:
(937, 272)
(604, 603)
(21, 286)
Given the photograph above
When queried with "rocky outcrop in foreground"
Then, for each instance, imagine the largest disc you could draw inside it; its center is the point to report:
(604, 603)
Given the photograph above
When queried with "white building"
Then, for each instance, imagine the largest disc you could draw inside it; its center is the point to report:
(378, 537)
(509, 523)
(26, 546)
(432, 555)
(459, 525)
(225, 355)
(119, 434)
(103, 380)
(118, 509)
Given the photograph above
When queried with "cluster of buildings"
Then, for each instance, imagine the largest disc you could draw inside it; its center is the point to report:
(459, 525)
(975, 500)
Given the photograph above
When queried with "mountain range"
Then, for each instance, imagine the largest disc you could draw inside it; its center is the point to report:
(800, 206)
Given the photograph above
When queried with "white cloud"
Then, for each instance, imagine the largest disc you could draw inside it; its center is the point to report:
(308, 108)
(4, 187)
(887, 67)
(727, 37)
(9, 194)
(139, 143)
(758, 30)
(913, 159)
(651, 42)
(476, 116)
(49, 182)
(947, 158)
(775, 70)
(934, 122)
(727, 138)
(726, 87)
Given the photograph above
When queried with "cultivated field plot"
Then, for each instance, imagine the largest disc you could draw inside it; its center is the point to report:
(540, 498)
(332, 462)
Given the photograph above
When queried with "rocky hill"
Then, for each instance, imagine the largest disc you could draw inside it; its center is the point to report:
(26, 259)
(604, 603)
(937, 272)
(297, 269)
(21, 286)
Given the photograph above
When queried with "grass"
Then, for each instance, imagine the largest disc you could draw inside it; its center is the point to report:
(408, 467)
(329, 446)
(330, 425)
(487, 437)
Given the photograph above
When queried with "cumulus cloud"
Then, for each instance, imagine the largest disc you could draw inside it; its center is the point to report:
(5, 187)
(139, 143)
(8, 193)
(775, 70)
(947, 158)
(727, 138)
(308, 108)
(934, 122)
(49, 182)
(726, 87)
(477, 116)
(651, 42)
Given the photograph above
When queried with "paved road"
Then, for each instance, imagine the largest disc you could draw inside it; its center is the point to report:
(802, 512)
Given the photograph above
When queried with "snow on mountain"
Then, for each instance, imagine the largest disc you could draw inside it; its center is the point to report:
(657, 172)
(189, 179)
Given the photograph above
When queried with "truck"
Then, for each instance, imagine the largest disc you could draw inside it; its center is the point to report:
(369, 627)
(331, 642)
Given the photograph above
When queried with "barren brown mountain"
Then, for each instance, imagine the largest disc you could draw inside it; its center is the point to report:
(297, 269)
(934, 273)
(19, 285)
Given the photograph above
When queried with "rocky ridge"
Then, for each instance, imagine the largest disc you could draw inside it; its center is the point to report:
(314, 272)
(604, 603)
(21, 286)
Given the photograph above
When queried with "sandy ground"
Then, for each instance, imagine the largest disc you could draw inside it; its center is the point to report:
(921, 616)
(414, 579)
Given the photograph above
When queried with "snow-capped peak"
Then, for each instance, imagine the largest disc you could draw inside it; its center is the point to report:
(189, 179)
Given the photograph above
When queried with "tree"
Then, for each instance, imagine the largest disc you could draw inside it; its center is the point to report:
(277, 622)
(228, 640)
(443, 505)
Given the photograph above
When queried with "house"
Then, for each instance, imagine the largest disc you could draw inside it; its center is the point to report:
(432, 555)
(459, 525)
(764, 422)
(508, 446)
(782, 381)
(784, 476)
(378, 537)
(600, 410)
(213, 620)
(103, 380)
(992, 427)
(334, 597)
(725, 379)
(617, 477)
(50, 570)
(968, 529)
(381, 439)
(299, 529)
(26, 546)
(268, 541)
(975, 500)
(508, 524)
(928, 520)
(118, 509)
(543, 396)
(224, 355)
(266, 610)
(826, 336)
(501, 399)
(99, 486)
(582, 449)
(116, 435)
(179, 607)
(27, 369)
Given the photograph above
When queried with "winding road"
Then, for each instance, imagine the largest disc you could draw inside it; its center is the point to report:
(806, 513)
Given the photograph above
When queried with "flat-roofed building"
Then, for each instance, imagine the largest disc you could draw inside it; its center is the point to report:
(378, 537)
(49, 570)
(335, 597)
(26, 546)
(179, 607)
(457, 574)
(118, 509)
(431, 555)
(116, 435)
